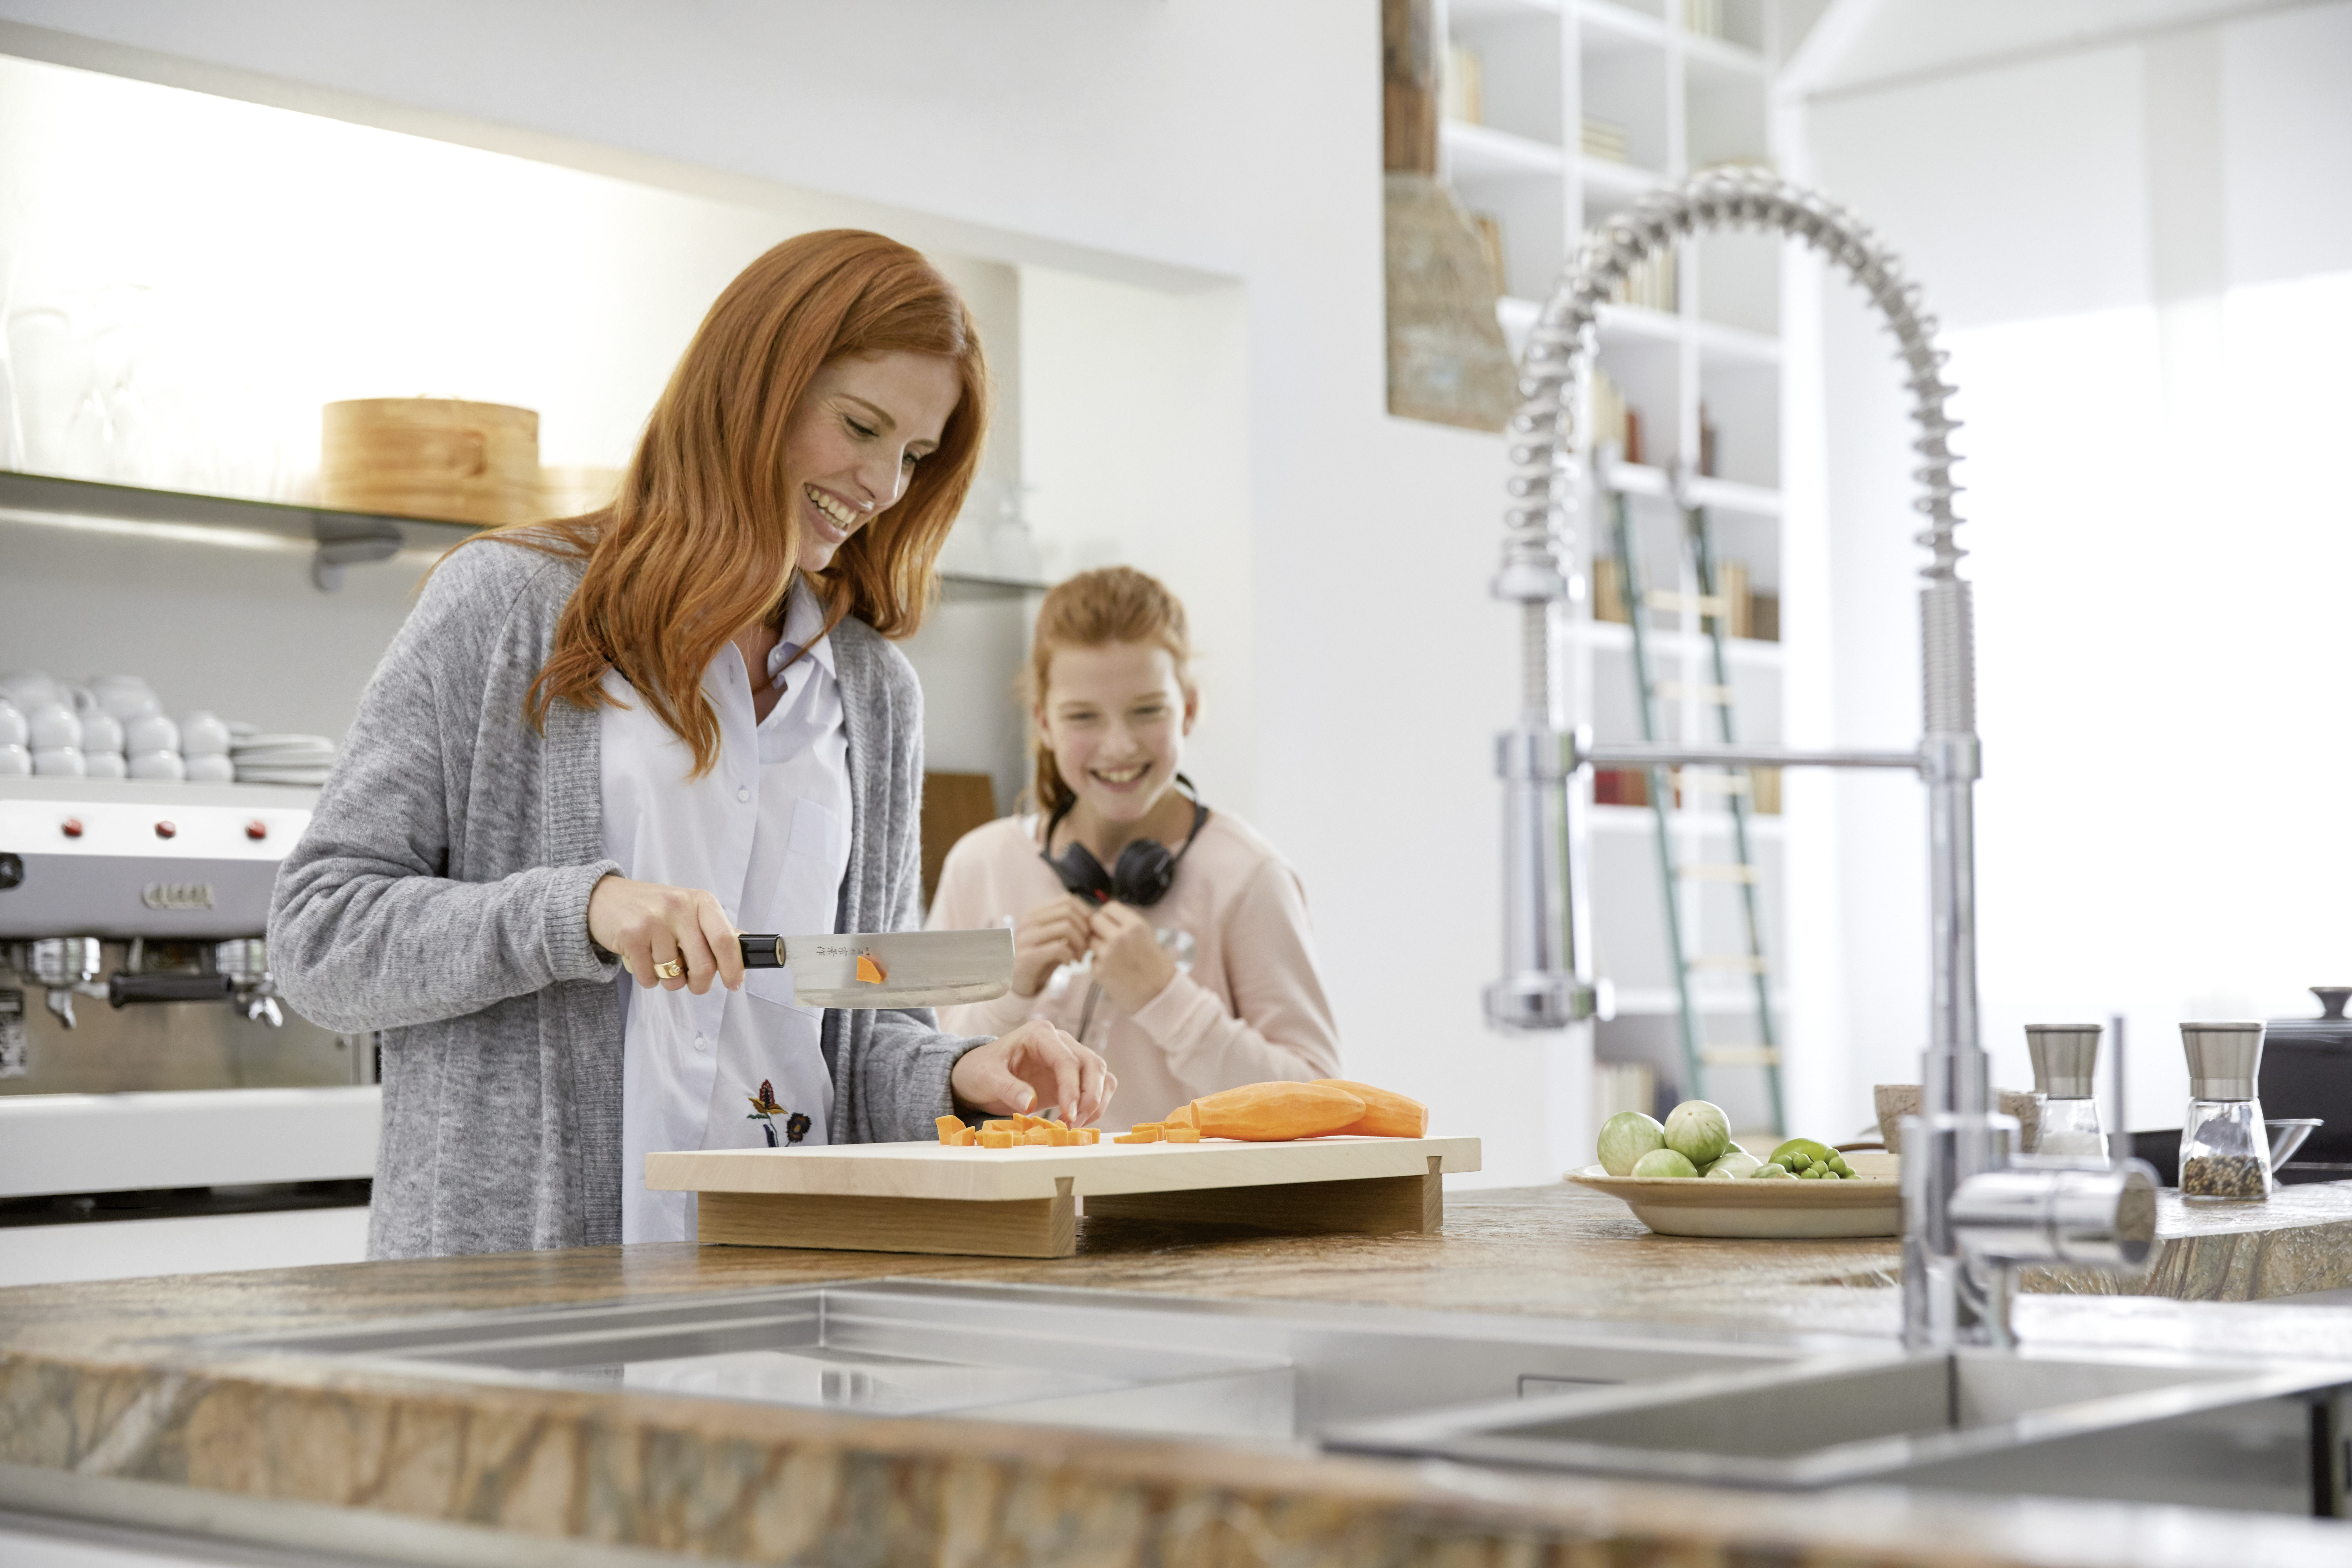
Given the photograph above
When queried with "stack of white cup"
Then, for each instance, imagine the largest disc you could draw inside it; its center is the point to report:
(112, 727)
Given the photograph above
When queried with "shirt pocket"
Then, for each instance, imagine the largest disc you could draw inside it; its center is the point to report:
(807, 894)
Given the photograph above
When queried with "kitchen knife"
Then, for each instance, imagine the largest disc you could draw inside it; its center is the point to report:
(889, 969)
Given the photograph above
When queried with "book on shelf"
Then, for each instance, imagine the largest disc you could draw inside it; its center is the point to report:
(1615, 423)
(1461, 85)
(1764, 617)
(1649, 284)
(1746, 613)
(1690, 786)
(1603, 139)
(1703, 17)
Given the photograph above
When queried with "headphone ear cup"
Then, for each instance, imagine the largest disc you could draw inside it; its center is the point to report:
(1082, 875)
(1144, 871)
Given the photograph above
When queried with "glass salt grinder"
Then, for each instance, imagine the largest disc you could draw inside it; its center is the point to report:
(2225, 1151)
(2065, 1064)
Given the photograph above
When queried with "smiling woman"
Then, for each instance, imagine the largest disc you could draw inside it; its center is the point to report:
(603, 745)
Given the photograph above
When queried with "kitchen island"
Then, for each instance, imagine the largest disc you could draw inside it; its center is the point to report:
(102, 1380)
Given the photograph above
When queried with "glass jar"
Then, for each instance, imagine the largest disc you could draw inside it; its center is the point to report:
(2072, 1128)
(2066, 1068)
(2225, 1152)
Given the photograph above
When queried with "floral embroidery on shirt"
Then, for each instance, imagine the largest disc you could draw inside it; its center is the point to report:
(764, 1109)
(797, 1127)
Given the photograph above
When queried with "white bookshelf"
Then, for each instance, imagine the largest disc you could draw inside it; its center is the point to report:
(1676, 99)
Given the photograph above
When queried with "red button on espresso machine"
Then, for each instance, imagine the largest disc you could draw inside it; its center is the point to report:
(257, 829)
(70, 828)
(165, 830)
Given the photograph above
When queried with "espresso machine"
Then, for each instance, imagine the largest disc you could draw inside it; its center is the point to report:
(146, 1056)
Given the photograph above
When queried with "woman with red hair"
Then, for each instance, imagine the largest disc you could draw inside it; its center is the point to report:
(604, 745)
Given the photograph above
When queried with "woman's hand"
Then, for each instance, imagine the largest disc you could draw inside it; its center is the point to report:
(1035, 1065)
(1046, 938)
(1130, 964)
(648, 923)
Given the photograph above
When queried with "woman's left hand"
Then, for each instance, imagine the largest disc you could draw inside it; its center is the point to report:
(1033, 1067)
(1130, 964)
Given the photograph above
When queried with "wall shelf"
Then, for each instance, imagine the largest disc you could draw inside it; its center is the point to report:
(340, 539)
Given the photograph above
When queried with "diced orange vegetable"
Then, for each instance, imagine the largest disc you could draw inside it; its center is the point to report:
(868, 971)
(990, 1140)
(1136, 1138)
(1086, 1134)
(1056, 1134)
(1146, 1127)
(968, 1139)
(1180, 1135)
(1275, 1112)
(999, 1124)
(1037, 1137)
(948, 1127)
(1386, 1113)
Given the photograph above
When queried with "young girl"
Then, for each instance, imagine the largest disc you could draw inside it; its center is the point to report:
(1187, 964)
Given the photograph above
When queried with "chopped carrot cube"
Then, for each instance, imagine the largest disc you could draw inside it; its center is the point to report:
(993, 1139)
(1136, 1138)
(1036, 1138)
(868, 971)
(1086, 1134)
(948, 1127)
(968, 1139)
(1056, 1134)
(999, 1124)
(1180, 1135)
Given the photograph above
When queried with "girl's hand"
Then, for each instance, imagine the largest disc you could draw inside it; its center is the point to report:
(1130, 964)
(648, 923)
(1045, 939)
(1035, 1064)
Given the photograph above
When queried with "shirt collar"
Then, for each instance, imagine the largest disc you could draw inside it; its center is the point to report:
(804, 619)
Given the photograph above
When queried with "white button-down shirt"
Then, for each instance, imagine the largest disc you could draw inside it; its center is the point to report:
(766, 831)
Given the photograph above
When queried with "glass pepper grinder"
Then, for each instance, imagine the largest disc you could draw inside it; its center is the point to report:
(2225, 1151)
(2065, 1065)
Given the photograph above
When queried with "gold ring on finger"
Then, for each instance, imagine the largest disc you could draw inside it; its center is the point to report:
(672, 970)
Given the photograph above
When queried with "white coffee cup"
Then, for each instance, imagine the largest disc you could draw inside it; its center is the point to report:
(15, 761)
(158, 766)
(101, 732)
(105, 765)
(60, 762)
(211, 767)
(126, 696)
(14, 731)
(203, 734)
(29, 688)
(151, 733)
(53, 728)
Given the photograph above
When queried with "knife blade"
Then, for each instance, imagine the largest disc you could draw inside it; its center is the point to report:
(902, 968)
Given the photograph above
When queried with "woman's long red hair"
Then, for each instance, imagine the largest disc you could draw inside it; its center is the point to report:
(701, 541)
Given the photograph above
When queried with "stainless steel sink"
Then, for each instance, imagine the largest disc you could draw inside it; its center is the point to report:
(2148, 1428)
(1262, 1371)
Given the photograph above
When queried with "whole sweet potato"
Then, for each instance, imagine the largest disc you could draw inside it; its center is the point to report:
(1386, 1113)
(1272, 1112)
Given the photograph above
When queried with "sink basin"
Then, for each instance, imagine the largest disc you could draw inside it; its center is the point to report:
(1271, 1372)
(2157, 1429)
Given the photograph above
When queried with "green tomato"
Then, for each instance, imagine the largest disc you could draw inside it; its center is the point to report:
(1768, 1172)
(1663, 1162)
(1805, 1146)
(1810, 1174)
(1699, 1131)
(1732, 1163)
(1625, 1138)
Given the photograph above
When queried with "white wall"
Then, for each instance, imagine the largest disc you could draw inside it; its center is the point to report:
(2145, 281)
(1124, 138)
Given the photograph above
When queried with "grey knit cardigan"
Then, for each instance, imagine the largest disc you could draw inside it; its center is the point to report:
(441, 896)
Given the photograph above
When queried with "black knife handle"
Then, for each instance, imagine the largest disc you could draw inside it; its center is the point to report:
(763, 951)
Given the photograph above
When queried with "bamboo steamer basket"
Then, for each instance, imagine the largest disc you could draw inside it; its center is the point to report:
(434, 458)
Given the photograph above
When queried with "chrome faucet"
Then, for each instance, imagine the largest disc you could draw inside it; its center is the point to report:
(1971, 1214)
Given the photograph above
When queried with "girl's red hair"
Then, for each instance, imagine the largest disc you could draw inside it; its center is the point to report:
(1094, 609)
(701, 541)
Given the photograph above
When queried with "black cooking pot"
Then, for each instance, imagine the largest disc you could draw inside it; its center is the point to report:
(2307, 1071)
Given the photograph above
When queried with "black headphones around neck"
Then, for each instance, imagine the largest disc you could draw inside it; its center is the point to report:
(1145, 872)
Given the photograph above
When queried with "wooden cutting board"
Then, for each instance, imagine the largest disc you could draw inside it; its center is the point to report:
(1023, 1203)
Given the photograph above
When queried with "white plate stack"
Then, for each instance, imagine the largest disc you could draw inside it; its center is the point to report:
(282, 759)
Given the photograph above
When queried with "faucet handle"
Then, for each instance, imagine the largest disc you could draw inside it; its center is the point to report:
(2102, 1219)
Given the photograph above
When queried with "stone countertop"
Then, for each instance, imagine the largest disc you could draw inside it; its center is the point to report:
(102, 1379)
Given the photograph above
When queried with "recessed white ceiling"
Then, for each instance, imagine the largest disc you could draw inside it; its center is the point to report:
(1861, 44)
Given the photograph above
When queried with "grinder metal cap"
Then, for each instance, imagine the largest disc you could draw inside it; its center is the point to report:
(2224, 1059)
(2065, 1057)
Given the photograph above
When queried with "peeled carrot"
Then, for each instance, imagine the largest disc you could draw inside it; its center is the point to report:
(1274, 1112)
(1387, 1114)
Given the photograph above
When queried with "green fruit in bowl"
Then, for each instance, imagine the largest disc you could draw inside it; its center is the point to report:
(1663, 1162)
(1734, 1161)
(1625, 1138)
(1699, 1131)
(1805, 1146)
(1768, 1172)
